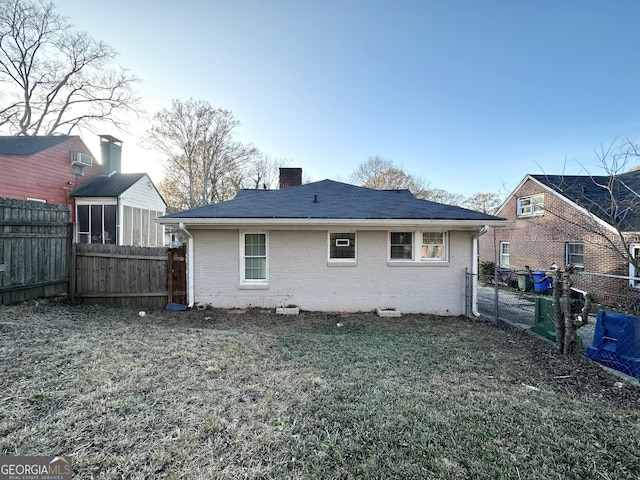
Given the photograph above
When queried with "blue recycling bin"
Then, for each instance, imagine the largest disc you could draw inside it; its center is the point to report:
(541, 286)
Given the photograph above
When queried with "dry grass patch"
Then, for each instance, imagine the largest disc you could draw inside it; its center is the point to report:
(208, 394)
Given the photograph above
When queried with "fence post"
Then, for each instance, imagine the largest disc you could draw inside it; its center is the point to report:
(496, 295)
(466, 292)
(72, 273)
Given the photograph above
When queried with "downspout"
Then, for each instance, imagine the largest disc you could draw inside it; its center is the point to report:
(474, 271)
(190, 273)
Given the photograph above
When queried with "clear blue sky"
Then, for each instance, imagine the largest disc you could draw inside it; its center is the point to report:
(470, 95)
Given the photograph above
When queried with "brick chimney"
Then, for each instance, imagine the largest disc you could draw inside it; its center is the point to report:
(111, 151)
(290, 177)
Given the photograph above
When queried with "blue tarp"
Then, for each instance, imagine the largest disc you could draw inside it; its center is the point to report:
(616, 342)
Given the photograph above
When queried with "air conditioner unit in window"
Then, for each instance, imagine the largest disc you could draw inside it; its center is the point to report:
(82, 159)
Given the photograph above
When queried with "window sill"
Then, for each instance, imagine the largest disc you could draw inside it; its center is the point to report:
(254, 286)
(528, 215)
(342, 263)
(401, 263)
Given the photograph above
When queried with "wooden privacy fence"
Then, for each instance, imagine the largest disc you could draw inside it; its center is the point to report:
(35, 250)
(38, 259)
(148, 277)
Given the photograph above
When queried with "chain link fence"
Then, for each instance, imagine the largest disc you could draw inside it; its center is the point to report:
(524, 299)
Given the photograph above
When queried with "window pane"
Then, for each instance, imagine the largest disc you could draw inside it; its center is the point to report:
(505, 257)
(401, 243)
(255, 244)
(83, 218)
(96, 223)
(432, 245)
(342, 245)
(110, 224)
(575, 253)
(255, 256)
(255, 268)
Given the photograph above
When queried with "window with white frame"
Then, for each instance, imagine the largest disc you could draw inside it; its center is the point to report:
(254, 257)
(531, 205)
(342, 246)
(574, 254)
(633, 272)
(505, 254)
(429, 246)
(433, 246)
(401, 246)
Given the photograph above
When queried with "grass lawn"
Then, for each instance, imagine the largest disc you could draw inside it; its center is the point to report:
(217, 394)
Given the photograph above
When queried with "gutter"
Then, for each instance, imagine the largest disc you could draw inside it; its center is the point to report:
(190, 272)
(474, 271)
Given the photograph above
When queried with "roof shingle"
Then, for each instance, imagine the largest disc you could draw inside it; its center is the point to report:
(328, 199)
(25, 145)
(615, 200)
(107, 185)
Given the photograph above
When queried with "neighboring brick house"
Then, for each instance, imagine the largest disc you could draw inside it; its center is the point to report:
(44, 169)
(563, 219)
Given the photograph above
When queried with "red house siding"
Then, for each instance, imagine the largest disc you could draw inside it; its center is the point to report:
(45, 175)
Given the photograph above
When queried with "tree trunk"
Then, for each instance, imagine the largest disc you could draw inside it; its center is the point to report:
(557, 310)
(570, 346)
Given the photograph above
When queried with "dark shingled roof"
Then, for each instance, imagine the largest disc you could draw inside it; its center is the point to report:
(107, 185)
(29, 145)
(331, 200)
(592, 193)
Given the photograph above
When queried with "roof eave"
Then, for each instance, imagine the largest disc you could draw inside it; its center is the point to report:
(329, 222)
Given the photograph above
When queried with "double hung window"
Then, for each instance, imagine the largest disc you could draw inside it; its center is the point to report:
(432, 246)
(254, 257)
(531, 205)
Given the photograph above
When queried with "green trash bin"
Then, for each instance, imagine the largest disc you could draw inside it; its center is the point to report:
(544, 323)
(524, 282)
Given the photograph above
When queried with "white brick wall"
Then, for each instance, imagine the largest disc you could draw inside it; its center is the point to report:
(300, 274)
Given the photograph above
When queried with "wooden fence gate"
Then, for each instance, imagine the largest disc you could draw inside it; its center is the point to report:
(146, 277)
(35, 250)
(177, 275)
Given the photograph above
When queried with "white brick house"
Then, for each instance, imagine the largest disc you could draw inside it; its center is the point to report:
(330, 246)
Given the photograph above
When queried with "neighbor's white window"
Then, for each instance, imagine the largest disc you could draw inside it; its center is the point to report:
(574, 253)
(531, 205)
(633, 272)
(342, 246)
(254, 258)
(433, 246)
(505, 254)
(401, 246)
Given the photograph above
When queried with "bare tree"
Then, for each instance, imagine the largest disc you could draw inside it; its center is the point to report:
(55, 79)
(611, 201)
(204, 164)
(264, 172)
(441, 196)
(382, 174)
(483, 202)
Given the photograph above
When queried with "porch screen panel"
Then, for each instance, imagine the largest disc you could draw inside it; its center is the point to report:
(110, 233)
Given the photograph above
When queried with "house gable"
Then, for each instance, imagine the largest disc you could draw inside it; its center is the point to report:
(564, 232)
